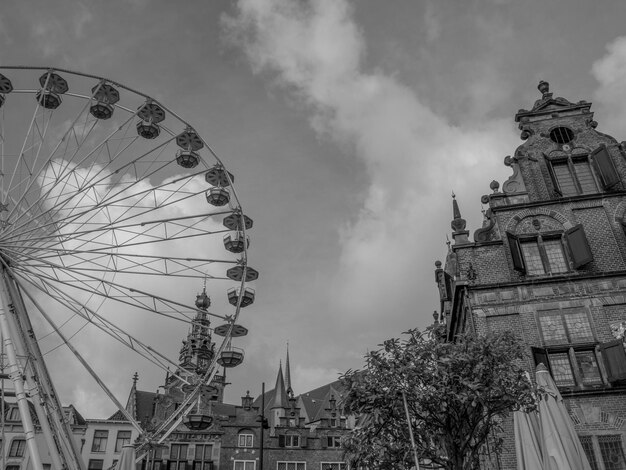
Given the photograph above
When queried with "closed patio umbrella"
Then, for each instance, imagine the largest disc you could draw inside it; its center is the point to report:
(561, 447)
(127, 458)
(527, 441)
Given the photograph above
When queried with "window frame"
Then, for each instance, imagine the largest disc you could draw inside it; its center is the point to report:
(103, 438)
(334, 465)
(121, 441)
(292, 440)
(609, 357)
(295, 463)
(245, 463)
(593, 441)
(539, 241)
(576, 250)
(246, 436)
(17, 448)
(203, 462)
(13, 414)
(181, 457)
(602, 167)
(333, 442)
(95, 461)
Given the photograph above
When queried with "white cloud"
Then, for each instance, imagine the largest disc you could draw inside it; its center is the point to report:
(412, 155)
(610, 71)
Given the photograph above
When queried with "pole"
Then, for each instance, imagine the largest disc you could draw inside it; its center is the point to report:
(16, 376)
(262, 425)
(408, 422)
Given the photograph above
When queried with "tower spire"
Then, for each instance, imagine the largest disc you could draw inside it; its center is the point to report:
(280, 395)
(288, 375)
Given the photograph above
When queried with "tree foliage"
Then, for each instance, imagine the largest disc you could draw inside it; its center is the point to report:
(457, 395)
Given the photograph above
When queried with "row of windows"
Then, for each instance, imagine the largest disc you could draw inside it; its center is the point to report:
(100, 438)
(238, 465)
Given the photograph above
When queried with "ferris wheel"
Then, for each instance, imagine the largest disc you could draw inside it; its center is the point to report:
(111, 206)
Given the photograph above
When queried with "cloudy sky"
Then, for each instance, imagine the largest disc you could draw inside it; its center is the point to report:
(347, 125)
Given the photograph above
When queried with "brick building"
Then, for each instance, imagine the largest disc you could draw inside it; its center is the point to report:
(549, 263)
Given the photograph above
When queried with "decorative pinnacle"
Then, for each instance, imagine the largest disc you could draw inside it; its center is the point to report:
(544, 87)
(458, 223)
(135, 379)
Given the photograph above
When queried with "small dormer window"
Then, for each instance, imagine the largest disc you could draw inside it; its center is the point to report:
(561, 135)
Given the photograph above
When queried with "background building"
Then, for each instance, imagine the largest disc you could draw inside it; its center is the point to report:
(550, 264)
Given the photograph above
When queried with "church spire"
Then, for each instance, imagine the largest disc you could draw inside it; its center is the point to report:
(131, 404)
(288, 375)
(280, 394)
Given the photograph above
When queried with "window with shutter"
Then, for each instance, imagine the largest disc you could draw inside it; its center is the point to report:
(580, 250)
(605, 167)
(614, 360)
(281, 441)
(576, 175)
(516, 253)
(555, 181)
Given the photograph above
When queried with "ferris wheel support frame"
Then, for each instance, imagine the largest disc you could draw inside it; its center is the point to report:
(55, 428)
(16, 375)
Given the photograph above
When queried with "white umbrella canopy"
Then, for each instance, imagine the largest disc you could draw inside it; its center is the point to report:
(527, 440)
(560, 444)
(127, 458)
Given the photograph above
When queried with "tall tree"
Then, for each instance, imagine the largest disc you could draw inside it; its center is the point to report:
(457, 396)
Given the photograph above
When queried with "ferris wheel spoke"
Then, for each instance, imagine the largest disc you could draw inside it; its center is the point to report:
(154, 198)
(98, 261)
(127, 235)
(85, 185)
(99, 287)
(97, 320)
(67, 139)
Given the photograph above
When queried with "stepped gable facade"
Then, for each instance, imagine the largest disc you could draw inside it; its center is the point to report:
(549, 263)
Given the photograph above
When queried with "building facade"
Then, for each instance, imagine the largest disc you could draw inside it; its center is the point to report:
(549, 263)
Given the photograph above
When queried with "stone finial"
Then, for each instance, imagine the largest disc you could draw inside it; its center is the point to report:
(543, 87)
(494, 186)
(135, 379)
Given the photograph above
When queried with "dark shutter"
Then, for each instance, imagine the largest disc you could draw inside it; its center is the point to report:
(605, 166)
(281, 441)
(516, 253)
(578, 246)
(540, 355)
(302, 441)
(614, 359)
(555, 182)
